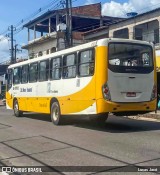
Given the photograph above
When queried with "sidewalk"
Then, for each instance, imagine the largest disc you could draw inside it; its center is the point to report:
(152, 115)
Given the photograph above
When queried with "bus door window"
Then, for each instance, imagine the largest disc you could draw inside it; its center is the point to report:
(9, 79)
(33, 72)
(86, 63)
(56, 68)
(16, 75)
(69, 66)
(24, 74)
(43, 70)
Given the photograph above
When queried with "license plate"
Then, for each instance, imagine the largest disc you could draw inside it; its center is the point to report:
(131, 94)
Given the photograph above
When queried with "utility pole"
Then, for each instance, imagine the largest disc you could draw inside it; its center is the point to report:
(70, 19)
(15, 52)
(12, 49)
(68, 23)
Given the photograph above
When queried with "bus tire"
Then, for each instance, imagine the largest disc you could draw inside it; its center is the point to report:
(56, 113)
(100, 118)
(17, 112)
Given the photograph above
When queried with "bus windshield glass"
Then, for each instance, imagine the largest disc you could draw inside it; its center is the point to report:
(130, 57)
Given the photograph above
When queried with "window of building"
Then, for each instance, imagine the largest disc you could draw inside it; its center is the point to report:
(40, 53)
(123, 33)
(69, 66)
(156, 36)
(138, 34)
(16, 75)
(33, 72)
(43, 70)
(24, 74)
(56, 68)
(53, 49)
(86, 63)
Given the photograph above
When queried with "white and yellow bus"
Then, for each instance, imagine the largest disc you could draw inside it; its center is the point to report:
(107, 75)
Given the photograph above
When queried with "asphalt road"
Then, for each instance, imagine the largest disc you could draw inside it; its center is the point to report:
(33, 140)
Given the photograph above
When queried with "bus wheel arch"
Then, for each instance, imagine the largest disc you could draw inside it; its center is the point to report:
(17, 112)
(55, 112)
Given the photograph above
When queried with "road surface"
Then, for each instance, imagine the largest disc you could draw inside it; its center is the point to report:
(32, 140)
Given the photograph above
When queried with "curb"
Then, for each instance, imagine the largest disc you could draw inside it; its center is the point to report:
(147, 117)
(152, 115)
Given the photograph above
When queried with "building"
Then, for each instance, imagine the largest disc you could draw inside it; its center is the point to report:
(3, 70)
(141, 27)
(47, 33)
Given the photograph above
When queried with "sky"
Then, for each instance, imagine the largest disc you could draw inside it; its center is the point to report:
(13, 11)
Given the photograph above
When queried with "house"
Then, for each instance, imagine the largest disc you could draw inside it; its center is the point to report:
(143, 26)
(47, 33)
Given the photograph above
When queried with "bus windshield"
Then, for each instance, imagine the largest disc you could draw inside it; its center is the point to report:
(130, 57)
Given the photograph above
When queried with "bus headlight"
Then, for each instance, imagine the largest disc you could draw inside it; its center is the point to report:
(106, 92)
(154, 93)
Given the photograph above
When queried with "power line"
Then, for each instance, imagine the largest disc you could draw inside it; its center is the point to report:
(21, 28)
(39, 11)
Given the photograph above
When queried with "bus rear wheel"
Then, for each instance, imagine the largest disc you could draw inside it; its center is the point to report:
(56, 114)
(100, 118)
(17, 112)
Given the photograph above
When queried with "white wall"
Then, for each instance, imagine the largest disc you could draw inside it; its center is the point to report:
(43, 46)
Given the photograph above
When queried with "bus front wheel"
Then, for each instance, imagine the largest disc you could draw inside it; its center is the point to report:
(17, 112)
(56, 114)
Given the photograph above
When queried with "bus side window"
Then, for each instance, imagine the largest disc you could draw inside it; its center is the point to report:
(24, 74)
(86, 63)
(43, 70)
(56, 68)
(17, 75)
(69, 66)
(33, 72)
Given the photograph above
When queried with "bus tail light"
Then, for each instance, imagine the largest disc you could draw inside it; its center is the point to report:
(154, 92)
(106, 92)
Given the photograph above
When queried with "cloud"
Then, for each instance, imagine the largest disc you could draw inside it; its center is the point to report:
(3, 44)
(5, 50)
(116, 9)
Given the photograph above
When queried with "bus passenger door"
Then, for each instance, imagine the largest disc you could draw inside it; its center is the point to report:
(9, 89)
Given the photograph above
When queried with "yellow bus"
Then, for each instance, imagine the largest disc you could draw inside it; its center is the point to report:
(157, 48)
(104, 76)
